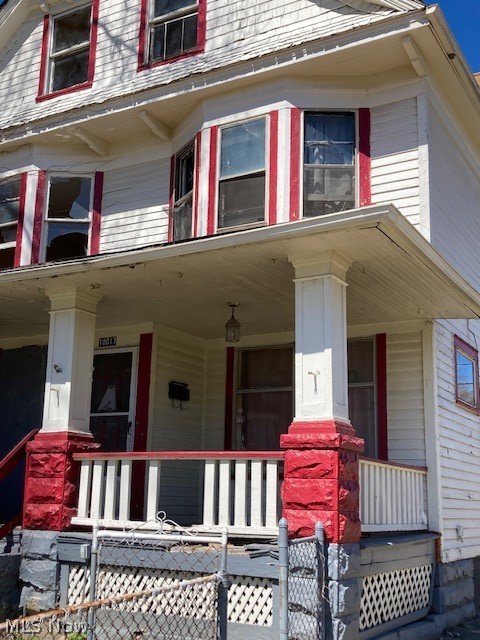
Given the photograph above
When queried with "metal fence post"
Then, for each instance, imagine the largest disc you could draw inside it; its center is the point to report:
(283, 578)
(93, 581)
(320, 536)
(222, 600)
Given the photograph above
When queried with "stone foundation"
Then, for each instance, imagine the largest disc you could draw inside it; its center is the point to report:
(39, 571)
(343, 588)
(454, 591)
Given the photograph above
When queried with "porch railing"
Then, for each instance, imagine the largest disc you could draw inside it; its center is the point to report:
(392, 496)
(240, 489)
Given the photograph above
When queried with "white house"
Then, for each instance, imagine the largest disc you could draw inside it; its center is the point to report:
(317, 164)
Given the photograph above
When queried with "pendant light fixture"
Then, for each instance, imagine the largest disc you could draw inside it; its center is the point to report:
(232, 327)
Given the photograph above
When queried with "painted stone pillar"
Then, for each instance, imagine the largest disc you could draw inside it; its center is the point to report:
(51, 477)
(321, 449)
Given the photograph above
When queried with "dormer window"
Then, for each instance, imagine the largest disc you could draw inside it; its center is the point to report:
(68, 55)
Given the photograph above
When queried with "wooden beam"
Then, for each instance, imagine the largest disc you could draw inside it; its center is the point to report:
(416, 58)
(157, 127)
(95, 144)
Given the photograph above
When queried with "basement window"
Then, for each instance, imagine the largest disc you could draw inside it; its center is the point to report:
(9, 214)
(466, 375)
(68, 217)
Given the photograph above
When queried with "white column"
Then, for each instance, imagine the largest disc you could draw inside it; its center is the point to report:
(71, 339)
(321, 377)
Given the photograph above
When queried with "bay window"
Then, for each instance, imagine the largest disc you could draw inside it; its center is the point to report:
(173, 29)
(329, 163)
(241, 194)
(9, 214)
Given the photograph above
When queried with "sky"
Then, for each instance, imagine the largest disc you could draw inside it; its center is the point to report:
(463, 16)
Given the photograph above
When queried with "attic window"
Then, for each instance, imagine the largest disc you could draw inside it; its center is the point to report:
(70, 40)
(466, 375)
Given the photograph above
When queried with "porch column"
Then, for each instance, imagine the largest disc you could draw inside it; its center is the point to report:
(51, 476)
(321, 450)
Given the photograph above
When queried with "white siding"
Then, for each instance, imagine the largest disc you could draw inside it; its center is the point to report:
(455, 198)
(135, 206)
(395, 159)
(259, 28)
(214, 416)
(406, 432)
(459, 432)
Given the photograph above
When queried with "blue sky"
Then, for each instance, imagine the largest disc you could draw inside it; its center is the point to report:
(463, 17)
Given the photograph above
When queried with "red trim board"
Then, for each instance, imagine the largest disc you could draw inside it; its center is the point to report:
(273, 169)
(212, 181)
(171, 199)
(295, 127)
(196, 188)
(21, 216)
(38, 216)
(365, 163)
(96, 213)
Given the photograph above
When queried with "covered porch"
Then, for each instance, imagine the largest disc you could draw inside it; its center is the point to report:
(190, 459)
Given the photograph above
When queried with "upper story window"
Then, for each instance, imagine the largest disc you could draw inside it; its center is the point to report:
(466, 375)
(173, 29)
(68, 217)
(241, 194)
(9, 214)
(183, 199)
(68, 55)
(329, 163)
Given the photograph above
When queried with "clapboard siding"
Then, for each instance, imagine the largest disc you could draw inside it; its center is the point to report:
(135, 206)
(260, 28)
(182, 358)
(455, 197)
(406, 432)
(459, 434)
(395, 158)
(214, 416)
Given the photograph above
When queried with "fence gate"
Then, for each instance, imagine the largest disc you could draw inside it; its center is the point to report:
(301, 585)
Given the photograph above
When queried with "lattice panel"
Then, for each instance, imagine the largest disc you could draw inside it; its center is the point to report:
(390, 595)
(250, 599)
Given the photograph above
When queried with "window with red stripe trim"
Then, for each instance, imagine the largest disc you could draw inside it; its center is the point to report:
(12, 204)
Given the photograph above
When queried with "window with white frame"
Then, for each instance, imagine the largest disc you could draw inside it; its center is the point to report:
(68, 217)
(70, 49)
(172, 29)
(241, 193)
(183, 204)
(466, 375)
(9, 211)
(329, 163)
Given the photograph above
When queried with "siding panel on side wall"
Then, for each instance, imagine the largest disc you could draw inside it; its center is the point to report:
(406, 433)
(135, 206)
(395, 159)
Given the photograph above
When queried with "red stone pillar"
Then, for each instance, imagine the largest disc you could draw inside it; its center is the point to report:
(51, 479)
(321, 480)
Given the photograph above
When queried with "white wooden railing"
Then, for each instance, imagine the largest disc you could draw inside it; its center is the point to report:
(240, 489)
(392, 496)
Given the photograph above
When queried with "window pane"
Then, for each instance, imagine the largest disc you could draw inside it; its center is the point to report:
(242, 201)
(243, 148)
(360, 361)
(329, 138)
(190, 32)
(182, 221)
(162, 7)
(465, 379)
(328, 190)
(173, 38)
(157, 43)
(8, 234)
(70, 70)
(361, 407)
(185, 173)
(66, 240)
(262, 418)
(112, 374)
(9, 200)
(266, 368)
(7, 257)
(71, 29)
(69, 198)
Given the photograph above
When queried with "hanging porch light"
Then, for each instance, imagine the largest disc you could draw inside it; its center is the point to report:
(232, 327)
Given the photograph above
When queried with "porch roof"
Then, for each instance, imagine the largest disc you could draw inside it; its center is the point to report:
(395, 275)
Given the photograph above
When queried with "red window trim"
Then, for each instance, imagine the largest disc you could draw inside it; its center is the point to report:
(142, 38)
(364, 160)
(44, 62)
(273, 168)
(295, 129)
(212, 183)
(96, 213)
(472, 353)
(38, 216)
(171, 199)
(21, 216)
(196, 185)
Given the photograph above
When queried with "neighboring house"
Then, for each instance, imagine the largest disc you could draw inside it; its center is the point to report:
(316, 162)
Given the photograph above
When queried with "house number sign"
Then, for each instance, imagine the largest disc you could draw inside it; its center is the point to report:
(108, 342)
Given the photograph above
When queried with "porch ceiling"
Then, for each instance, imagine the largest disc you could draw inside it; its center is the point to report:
(395, 275)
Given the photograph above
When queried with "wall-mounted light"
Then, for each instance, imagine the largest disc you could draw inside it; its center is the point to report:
(232, 327)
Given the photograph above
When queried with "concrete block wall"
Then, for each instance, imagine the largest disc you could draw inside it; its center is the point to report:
(454, 591)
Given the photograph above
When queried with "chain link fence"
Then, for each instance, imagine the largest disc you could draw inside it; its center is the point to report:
(302, 602)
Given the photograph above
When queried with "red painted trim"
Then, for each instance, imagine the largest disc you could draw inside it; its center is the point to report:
(16, 455)
(182, 455)
(229, 392)
(171, 199)
(21, 216)
(142, 38)
(45, 59)
(365, 163)
(38, 216)
(96, 213)
(273, 169)
(472, 353)
(381, 366)
(196, 188)
(295, 127)
(212, 182)
(397, 465)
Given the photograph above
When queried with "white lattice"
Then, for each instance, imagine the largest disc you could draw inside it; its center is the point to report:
(391, 595)
(250, 600)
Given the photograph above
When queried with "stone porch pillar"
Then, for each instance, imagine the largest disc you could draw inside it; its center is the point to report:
(321, 450)
(51, 476)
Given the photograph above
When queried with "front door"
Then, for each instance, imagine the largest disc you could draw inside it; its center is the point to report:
(113, 398)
